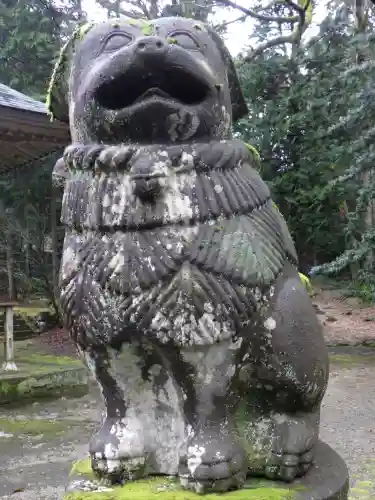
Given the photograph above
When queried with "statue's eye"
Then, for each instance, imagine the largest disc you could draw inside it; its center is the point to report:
(116, 41)
(184, 40)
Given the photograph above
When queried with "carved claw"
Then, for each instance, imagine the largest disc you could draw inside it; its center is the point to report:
(289, 466)
(293, 451)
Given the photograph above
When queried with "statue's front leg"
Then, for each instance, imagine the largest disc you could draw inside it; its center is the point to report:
(143, 428)
(214, 461)
(118, 449)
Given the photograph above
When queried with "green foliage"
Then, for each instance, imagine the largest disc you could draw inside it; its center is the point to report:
(352, 135)
(152, 9)
(287, 123)
(25, 197)
(312, 115)
(30, 37)
(364, 291)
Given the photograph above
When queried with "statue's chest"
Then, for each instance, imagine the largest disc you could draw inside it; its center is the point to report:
(191, 285)
(126, 262)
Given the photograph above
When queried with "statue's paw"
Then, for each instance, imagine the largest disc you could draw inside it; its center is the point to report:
(119, 470)
(293, 446)
(118, 451)
(287, 466)
(214, 462)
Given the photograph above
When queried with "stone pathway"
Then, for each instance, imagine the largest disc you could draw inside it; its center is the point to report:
(348, 416)
(36, 454)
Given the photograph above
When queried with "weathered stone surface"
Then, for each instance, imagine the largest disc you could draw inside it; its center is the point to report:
(179, 279)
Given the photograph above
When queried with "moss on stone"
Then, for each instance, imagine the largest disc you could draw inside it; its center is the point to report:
(255, 153)
(83, 30)
(58, 74)
(34, 380)
(307, 283)
(169, 489)
(8, 390)
(31, 310)
(32, 427)
(363, 486)
(36, 364)
(82, 468)
(58, 361)
(147, 27)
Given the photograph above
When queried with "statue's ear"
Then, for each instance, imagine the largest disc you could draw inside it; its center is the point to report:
(239, 106)
(58, 89)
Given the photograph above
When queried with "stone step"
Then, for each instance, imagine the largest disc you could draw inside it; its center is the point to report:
(21, 328)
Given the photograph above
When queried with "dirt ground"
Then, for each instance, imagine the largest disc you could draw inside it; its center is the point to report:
(346, 321)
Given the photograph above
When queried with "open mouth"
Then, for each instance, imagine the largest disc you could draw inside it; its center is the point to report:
(136, 86)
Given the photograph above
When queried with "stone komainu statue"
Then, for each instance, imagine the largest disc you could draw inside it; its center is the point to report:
(179, 283)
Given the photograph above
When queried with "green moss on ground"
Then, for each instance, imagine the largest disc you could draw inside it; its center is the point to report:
(32, 363)
(42, 376)
(32, 427)
(370, 344)
(351, 359)
(57, 361)
(169, 489)
(31, 310)
(364, 481)
(82, 468)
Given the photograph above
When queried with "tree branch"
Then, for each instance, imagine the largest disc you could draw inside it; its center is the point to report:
(293, 38)
(256, 15)
(269, 5)
(297, 7)
(278, 40)
(128, 13)
(142, 5)
(227, 23)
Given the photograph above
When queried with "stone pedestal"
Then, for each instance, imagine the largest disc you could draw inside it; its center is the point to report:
(327, 480)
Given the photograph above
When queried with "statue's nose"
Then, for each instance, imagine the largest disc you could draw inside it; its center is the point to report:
(150, 46)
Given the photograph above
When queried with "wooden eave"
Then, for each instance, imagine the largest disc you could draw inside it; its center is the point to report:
(28, 135)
